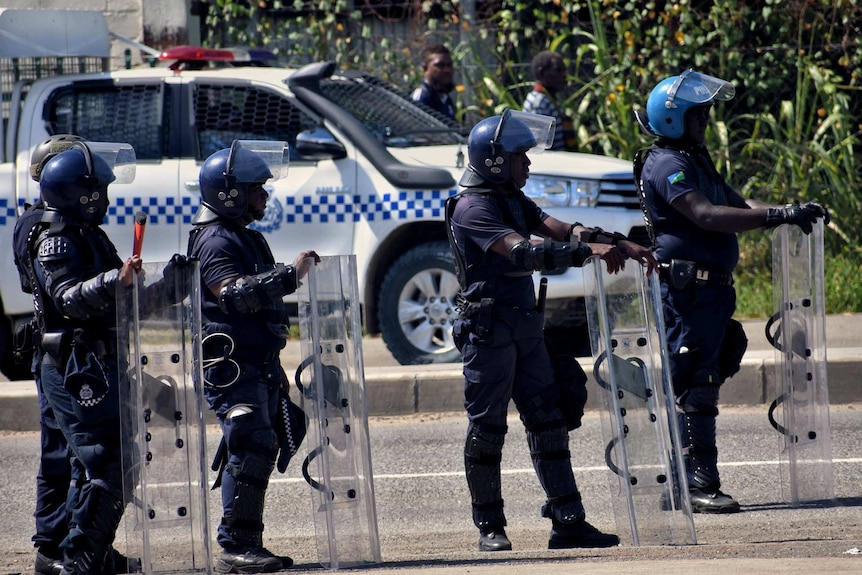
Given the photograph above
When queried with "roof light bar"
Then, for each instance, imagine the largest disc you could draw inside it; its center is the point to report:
(199, 54)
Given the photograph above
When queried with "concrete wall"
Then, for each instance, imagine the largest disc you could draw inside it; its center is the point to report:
(157, 23)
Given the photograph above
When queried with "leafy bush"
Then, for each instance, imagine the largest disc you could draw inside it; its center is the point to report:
(791, 133)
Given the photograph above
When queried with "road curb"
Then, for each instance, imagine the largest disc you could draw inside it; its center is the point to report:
(411, 389)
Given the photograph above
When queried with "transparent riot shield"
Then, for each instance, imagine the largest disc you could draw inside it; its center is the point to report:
(800, 411)
(332, 380)
(643, 451)
(165, 472)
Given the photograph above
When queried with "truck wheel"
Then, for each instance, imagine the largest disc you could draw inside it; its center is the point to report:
(417, 306)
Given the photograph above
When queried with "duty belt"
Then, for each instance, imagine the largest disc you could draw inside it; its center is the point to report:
(681, 274)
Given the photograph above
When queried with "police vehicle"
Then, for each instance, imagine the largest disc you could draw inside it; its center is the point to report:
(369, 169)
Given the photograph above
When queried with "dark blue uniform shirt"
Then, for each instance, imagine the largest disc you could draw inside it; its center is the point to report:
(479, 220)
(227, 251)
(669, 174)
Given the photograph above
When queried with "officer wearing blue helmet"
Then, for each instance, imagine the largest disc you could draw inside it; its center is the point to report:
(76, 273)
(55, 469)
(245, 326)
(499, 330)
(694, 216)
(56, 485)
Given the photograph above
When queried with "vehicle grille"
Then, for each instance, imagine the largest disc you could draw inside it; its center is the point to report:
(619, 193)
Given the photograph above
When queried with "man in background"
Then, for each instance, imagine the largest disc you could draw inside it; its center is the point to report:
(437, 81)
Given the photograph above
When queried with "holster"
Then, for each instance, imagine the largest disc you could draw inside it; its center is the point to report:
(57, 345)
(680, 273)
(481, 315)
(25, 342)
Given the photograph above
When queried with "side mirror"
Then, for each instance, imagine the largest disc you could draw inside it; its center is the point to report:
(319, 144)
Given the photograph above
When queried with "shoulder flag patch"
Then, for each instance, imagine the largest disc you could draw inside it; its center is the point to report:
(676, 177)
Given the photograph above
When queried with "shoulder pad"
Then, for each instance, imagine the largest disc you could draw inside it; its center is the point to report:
(55, 248)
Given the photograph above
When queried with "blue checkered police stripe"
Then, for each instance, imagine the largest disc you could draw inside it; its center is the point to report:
(159, 210)
(310, 209)
(340, 208)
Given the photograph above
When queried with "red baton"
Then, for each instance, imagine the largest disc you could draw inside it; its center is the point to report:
(140, 222)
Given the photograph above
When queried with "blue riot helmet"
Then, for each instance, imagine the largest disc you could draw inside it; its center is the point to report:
(75, 183)
(673, 97)
(228, 174)
(494, 140)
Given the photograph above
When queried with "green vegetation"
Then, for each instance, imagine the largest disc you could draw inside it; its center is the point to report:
(791, 134)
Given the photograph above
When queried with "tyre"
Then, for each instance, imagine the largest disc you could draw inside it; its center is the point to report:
(416, 306)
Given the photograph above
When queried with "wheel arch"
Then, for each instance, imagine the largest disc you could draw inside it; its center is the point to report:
(394, 246)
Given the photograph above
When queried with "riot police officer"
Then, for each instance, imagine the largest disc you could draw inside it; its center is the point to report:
(500, 332)
(245, 327)
(77, 271)
(55, 470)
(694, 216)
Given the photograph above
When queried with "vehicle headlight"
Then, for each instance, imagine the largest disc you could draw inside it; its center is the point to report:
(550, 192)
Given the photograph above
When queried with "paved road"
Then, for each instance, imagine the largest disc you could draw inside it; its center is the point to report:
(423, 505)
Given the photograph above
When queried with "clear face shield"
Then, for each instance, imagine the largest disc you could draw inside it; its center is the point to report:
(275, 157)
(539, 132)
(696, 88)
(119, 156)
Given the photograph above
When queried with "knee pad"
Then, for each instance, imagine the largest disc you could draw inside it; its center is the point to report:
(485, 443)
(542, 413)
(249, 431)
(701, 400)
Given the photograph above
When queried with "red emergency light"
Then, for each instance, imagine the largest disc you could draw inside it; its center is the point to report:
(185, 57)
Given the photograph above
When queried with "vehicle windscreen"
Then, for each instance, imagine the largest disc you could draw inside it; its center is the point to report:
(388, 113)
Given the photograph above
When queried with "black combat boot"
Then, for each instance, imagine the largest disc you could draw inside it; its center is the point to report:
(494, 539)
(117, 563)
(579, 534)
(712, 500)
(48, 562)
(702, 466)
(248, 560)
(569, 528)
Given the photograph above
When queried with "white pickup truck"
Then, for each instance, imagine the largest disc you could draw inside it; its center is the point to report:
(369, 169)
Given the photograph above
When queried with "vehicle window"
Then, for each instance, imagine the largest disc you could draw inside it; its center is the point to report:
(388, 113)
(102, 112)
(226, 112)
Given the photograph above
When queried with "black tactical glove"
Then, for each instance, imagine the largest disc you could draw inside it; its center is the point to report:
(804, 215)
(177, 278)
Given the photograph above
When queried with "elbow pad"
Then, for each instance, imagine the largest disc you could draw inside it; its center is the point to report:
(91, 297)
(254, 293)
(547, 256)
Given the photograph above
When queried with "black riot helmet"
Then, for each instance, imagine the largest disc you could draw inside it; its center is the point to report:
(227, 175)
(75, 183)
(48, 149)
(494, 140)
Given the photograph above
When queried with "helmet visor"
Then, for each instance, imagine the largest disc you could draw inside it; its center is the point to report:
(119, 156)
(697, 88)
(275, 154)
(541, 129)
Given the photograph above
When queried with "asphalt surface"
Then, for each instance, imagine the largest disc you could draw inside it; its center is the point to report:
(393, 389)
(417, 429)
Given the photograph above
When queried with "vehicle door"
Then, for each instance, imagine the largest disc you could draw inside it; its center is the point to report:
(311, 208)
(133, 111)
